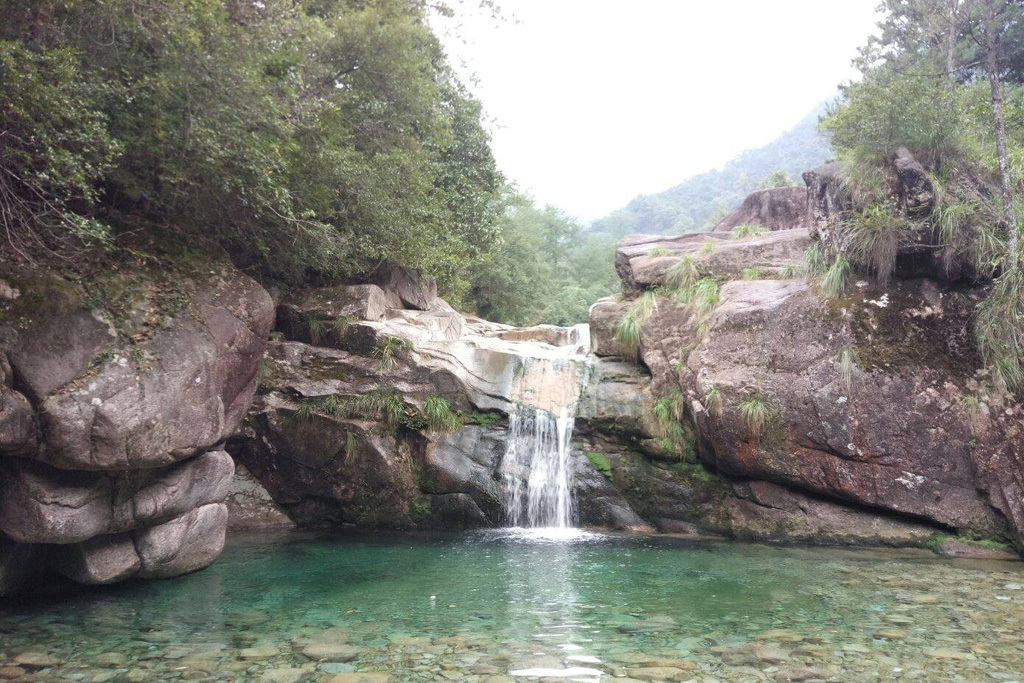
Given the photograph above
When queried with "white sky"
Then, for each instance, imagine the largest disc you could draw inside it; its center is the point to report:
(595, 101)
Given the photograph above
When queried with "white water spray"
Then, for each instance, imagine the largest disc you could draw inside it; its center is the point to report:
(538, 444)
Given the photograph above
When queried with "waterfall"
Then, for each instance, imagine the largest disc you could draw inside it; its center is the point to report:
(538, 451)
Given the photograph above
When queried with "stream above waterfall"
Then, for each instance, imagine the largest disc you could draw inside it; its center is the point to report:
(466, 607)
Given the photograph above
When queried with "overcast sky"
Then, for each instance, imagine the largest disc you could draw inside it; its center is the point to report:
(595, 101)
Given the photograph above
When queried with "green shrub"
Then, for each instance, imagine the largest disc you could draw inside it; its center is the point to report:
(659, 251)
(751, 273)
(788, 272)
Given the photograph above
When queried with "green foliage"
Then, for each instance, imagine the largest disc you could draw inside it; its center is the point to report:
(703, 295)
(484, 419)
(659, 251)
(601, 463)
(386, 351)
(752, 273)
(439, 414)
(814, 263)
(543, 268)
(999, 329)
(708, 247)
(746, 230)
(755, 413)
(777, 178)
(833, 282)
(682, 275)
(873, 235)
(315, 137)
(384, 405)
(56, 147)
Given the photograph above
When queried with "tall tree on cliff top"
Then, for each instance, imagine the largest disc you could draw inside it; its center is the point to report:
(975, 38)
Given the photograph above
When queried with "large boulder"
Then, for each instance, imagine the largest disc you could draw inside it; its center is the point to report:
(116, 393)
(407, 288)
(891, 434)
(779, 208)
(172, 389)
(645, 265)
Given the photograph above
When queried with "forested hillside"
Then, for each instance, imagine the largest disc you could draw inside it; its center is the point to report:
(694, 204)
(309, 140)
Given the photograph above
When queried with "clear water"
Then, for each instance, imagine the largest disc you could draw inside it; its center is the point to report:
(536, 469)
(502, 606)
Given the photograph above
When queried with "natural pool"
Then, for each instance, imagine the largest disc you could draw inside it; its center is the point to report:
(302, 607)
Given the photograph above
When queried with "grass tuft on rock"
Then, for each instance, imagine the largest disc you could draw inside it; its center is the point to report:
(755, 412)
(386, 352)
(440, 416)
(713, 401)
(682, 275)
(848, 363)
(746, 230)
(833, 282)
(999, 330)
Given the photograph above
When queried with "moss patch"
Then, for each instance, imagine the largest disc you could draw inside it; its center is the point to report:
(601, 463)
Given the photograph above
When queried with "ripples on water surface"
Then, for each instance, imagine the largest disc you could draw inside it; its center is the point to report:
(515, 604)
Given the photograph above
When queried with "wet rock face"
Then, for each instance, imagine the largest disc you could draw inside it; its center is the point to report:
(110, 418)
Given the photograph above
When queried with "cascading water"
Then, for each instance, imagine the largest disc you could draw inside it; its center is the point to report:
(537, 470)
(538, 450)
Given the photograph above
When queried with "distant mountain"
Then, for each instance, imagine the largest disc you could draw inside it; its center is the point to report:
(697, 202)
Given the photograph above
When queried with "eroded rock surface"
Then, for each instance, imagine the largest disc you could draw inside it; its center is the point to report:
(870, 424)
(112, 411)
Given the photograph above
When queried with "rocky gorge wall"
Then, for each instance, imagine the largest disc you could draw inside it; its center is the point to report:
(145, 413)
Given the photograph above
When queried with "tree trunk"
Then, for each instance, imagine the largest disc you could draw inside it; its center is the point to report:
(1009, 213)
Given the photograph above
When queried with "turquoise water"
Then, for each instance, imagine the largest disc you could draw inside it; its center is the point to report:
(301, 607)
